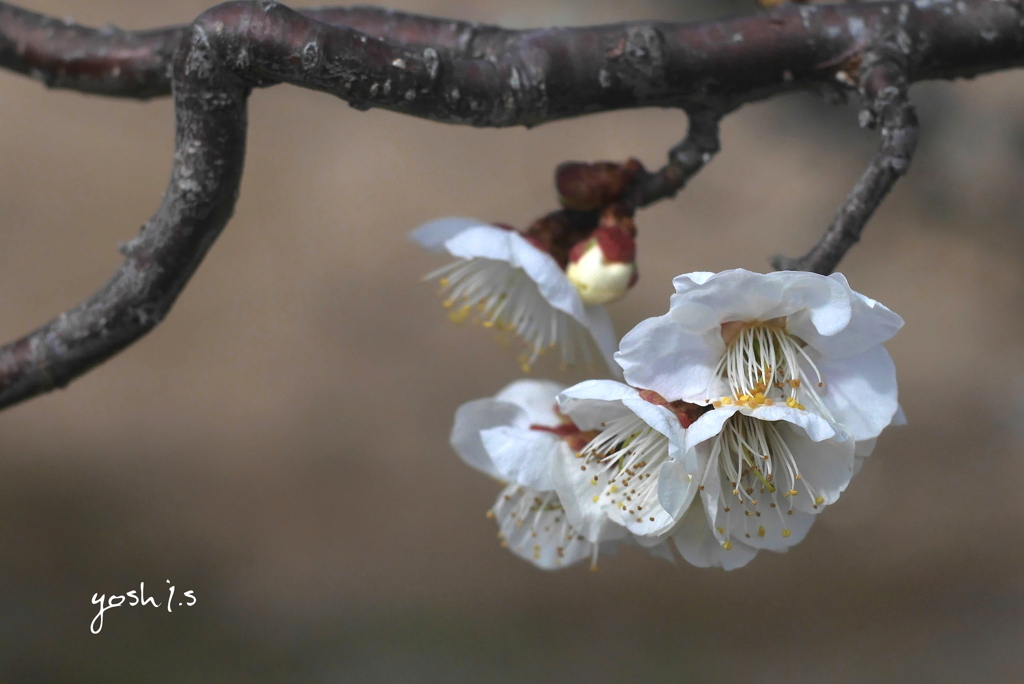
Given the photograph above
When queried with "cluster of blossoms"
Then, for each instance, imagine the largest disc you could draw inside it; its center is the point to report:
(746, 409)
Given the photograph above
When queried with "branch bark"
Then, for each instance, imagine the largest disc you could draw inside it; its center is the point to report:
(460, 73)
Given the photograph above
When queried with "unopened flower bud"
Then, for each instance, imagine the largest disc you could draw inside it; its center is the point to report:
(603, 267)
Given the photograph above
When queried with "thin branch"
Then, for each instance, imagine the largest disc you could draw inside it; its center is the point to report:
(884, 88)
(684, 160)
(461, 75)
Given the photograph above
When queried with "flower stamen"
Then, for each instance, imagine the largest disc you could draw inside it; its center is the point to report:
(498, 295)
(753, 457)
(763, 364)
(627, 456)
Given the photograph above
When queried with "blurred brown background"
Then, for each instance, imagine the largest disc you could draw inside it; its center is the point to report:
(279, 444)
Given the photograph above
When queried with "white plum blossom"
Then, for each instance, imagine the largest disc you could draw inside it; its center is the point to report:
(630, 470)
(504, 282)
(763, 474)
(802, 340)
(517, 437)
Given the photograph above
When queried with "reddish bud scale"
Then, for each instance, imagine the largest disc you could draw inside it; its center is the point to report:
(618, 215)
(576, 439)
(685, 412)
(586, 187)
(557, 232)
(616, 246)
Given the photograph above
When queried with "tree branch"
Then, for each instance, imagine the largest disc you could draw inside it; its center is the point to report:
(884, 89)
(463, 74)
(684, 160)
(138, 64)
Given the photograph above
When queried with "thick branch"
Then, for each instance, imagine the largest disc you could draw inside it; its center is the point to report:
(455, 73)
(138, 64)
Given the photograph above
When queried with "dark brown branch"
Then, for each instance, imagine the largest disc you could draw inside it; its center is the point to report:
(138, 64)
(458, 74)
(886, 95)
(684, 160)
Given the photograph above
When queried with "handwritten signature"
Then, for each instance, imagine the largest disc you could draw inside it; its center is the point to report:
(133, 598)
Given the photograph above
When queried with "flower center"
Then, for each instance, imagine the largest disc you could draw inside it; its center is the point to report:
(764, 364)
(752, 456)
(625, 458)
(498, 295)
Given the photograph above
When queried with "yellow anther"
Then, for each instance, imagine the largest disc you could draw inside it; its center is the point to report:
(613, 488)
(785, 533)
(448, 303)
(760, 530)
(716, 404)
(792, 492)
(820, 500)
(720, 530)
(727, 401)
(443, 282)
(460, 315)
(488, 324)
(490, 515)
(727, 545)
(744, 398)
(596, 497)
(759, 396)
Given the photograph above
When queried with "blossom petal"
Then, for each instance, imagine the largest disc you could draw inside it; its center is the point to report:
(593, 402)
(871, 323)
(740, 295)
(676, 488)
(688, 281)
(536, 397)
(475, 416)
(865, 447)
(860, 391)
(707, 426)
(710, 424)
(524, 457)
(816, 427)
(576, 489)
(660, 355)
(826, 468)
(599, 323)
(433, 234)
(698, 545)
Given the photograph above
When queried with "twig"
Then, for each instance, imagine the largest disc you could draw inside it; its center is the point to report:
(684, 160)
(886, 94)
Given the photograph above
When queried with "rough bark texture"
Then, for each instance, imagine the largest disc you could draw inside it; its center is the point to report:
(461, 73)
